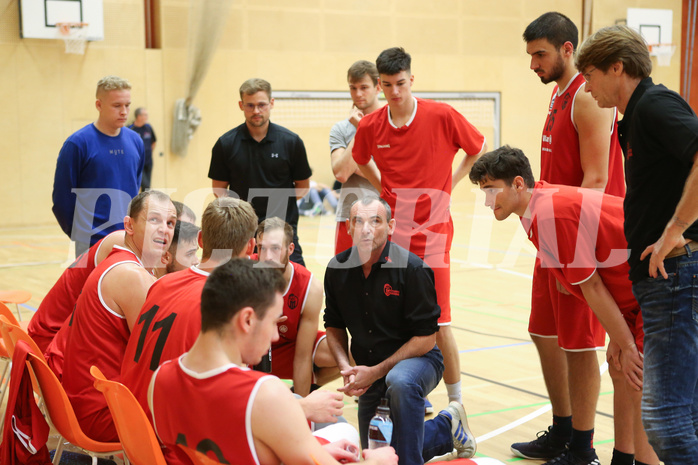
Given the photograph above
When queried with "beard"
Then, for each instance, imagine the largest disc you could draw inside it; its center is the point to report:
(555, 73)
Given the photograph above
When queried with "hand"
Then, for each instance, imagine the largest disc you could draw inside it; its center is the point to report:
(632, 366)
(613, 355)
(660, 249)
(560, 288)
(355, 116)
(382, 455)
(356, 380)
(343, 451)
(322, 406)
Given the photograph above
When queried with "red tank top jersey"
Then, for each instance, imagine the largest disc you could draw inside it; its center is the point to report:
(559, 157)
(166, 327)
(60, 301)
(209, 412)
(294, 302)
(98, 336)
(415, 163)
(579, 231)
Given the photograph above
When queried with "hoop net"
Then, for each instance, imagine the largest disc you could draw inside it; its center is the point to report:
(74, 35)
(663, 52)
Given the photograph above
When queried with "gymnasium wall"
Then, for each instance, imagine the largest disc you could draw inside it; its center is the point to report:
(456, 45)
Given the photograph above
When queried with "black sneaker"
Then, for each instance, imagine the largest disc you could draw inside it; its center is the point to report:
(545, 446)
(571, 458)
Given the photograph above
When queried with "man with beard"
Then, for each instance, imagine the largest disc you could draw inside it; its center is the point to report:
(364, 89)
(301, 352)
(261, 162)
(108, 307)
(579, 148)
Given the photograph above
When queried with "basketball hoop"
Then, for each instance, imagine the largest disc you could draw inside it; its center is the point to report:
(74, 35)
(663, 52)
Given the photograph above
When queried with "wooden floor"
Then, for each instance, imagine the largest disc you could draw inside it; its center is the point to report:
(503, 390)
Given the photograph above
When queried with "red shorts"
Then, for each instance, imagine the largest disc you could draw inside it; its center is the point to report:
(566, 317)
(342, 239)
(442, 283)
(282, 357)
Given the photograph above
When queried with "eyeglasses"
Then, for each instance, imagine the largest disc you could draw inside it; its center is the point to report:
(260, 106)
(587, 75)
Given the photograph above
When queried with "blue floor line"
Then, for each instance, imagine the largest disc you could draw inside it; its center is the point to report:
(28, 306)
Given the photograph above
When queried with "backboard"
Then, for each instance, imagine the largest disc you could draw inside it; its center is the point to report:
(38, 18)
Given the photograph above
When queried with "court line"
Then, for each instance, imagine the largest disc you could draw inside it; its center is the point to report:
(495, 347)
(489, 334)
(530, 416)
(13, 265)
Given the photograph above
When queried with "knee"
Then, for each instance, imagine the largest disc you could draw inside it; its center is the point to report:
(402, 388)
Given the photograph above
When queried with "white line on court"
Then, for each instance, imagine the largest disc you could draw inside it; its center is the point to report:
(13, 265)
(524, 419)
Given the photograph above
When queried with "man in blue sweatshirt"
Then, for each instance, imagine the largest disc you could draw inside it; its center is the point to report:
(99, 169)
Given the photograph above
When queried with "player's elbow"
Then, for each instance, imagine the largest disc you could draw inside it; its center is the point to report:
(341, 176)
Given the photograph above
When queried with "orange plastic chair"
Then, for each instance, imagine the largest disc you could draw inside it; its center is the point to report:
(197, 457)
(6, 312)
(61, 416)
(15, 334)
(15, 297)
(135, 432)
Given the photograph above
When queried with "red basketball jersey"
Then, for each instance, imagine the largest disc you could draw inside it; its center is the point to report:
(415, 163)
(294, 302)
(209, 412)
(60, 301)
(98, 336)
(167, 326)
(559, 158)
(579, 232)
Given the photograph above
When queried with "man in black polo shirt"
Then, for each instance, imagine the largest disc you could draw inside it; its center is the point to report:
(385, 296)
(261, 162)
(659, 137)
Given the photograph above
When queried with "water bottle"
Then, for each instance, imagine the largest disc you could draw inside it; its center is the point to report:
(265, 364)
(380, 430)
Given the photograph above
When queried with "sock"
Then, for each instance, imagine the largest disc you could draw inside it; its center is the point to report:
(582, 441)
(562, 427)
(454, 392)
(621, 458)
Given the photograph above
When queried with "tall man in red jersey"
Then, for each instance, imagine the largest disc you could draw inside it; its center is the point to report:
(170, 318)
(579, 148)
(301, 353)
(108, 306)
(579, 235)
(413, 142)
(207, 400)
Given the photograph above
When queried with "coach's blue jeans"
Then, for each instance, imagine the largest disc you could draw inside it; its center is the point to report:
(405, 386)
(670, 392)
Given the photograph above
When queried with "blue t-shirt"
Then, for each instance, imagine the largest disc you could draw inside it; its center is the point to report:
(106, 171)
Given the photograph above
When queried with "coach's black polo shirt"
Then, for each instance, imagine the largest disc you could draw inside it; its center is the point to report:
(659, 138)
(382, 312)
(275, 163)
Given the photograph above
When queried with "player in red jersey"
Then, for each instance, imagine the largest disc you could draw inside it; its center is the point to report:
(208, 401)
(413, 142)
(301, 353)
(108, 306)
(60, 300)
(579, 148)
(170, 319)
(579, 235)
(181, 255)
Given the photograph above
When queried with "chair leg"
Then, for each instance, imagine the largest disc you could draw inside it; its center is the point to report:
(59, 451)
(19, 314)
